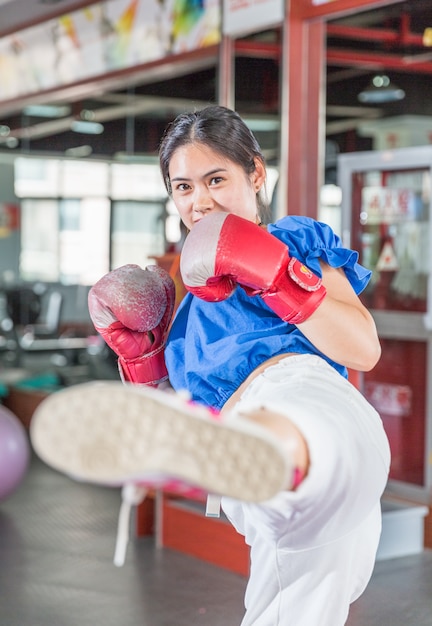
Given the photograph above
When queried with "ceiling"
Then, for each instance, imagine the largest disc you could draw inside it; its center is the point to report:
(134, 109)
(390, 41)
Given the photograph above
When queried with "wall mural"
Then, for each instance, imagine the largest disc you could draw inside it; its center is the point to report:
(101, 38)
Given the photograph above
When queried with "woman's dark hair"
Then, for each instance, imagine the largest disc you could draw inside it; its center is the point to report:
(218, 128)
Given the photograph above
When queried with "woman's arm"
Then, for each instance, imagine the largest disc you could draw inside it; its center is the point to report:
(341, 327)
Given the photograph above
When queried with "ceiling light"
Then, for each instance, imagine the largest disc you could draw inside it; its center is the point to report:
(11, 142)
(87, 128)
(87, 114)
(263, 124)
(427, 37)
(380, 90)
(142, 157)
(47, 110)
(79, 151)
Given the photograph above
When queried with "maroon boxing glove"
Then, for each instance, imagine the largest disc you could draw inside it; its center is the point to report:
(132, 309)
(223, 250)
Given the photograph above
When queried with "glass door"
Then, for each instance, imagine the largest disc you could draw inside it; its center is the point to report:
(386, 218)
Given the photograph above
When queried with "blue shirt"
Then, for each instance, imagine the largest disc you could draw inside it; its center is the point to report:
(214, 346)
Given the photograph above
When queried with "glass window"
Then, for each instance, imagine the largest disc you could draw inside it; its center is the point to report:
(83, 240)
(138, 232)
(69, 214)
(65, 240)
(66, 213)
(35, 178)
(137, 181)
(39, 240)
(84, 177)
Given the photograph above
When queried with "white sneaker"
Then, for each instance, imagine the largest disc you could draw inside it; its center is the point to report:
(112, 434)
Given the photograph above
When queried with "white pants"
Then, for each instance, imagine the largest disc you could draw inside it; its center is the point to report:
(313, 549)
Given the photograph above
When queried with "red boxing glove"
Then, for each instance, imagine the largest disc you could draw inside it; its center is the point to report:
(132, 308)
(224, 250)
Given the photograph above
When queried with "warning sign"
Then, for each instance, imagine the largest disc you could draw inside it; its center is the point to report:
(387, 261)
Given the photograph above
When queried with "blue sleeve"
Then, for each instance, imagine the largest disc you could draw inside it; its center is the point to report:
(309, 241)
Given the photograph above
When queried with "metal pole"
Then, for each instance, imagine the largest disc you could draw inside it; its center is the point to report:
(226, 73)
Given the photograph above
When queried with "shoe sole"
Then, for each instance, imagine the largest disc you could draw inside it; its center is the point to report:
(110, 433)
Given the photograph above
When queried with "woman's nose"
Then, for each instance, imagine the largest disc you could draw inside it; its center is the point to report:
(202, 201)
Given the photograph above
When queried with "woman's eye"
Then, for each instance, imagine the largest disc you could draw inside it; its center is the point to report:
(215, 180)
(182, 187)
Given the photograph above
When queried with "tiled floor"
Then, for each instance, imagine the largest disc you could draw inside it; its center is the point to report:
(56, 547)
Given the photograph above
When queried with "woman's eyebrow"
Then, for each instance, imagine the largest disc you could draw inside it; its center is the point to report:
(210, 173)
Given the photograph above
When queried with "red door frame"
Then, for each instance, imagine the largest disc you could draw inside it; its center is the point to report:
(303, 100)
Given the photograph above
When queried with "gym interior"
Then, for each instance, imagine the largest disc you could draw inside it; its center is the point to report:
(336, 93)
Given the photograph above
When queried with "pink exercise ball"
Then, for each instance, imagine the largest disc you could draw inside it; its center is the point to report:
(14, 452)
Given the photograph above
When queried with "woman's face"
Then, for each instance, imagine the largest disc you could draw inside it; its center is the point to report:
(203, 181)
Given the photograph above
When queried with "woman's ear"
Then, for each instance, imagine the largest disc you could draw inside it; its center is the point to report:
(259, 174)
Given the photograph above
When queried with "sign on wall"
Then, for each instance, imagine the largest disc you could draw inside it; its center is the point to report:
(9, 218)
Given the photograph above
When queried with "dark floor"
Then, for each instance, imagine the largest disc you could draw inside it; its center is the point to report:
(56, 547)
